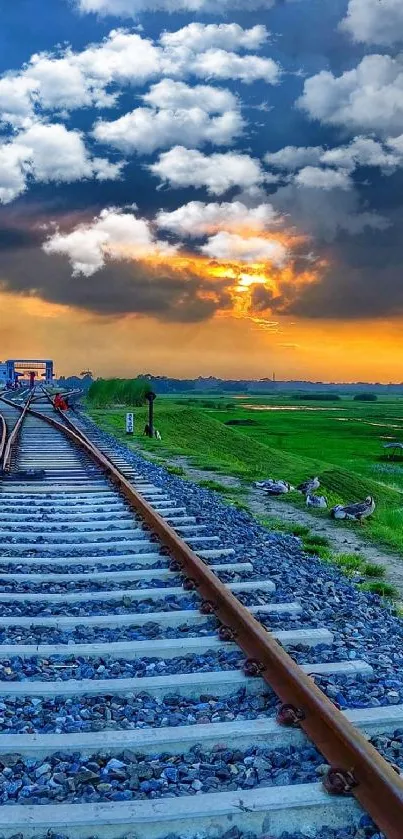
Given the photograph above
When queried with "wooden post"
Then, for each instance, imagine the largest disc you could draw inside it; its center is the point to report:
(150, 399)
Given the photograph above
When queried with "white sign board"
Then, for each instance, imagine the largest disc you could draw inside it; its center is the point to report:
(129, 423)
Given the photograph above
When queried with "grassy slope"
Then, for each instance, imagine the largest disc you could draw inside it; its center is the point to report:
(194, 433)
(203, 436)
(350, 436)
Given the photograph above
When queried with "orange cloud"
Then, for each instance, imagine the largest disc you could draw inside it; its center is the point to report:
(241, 277)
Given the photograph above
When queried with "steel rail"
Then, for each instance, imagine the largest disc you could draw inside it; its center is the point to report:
(64, 394)
(13, 437)
(3, 437)
(372, 780)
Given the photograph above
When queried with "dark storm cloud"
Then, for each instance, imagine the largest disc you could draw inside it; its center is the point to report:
(364, 279)
(322, 214)
(120, 288)
(352, 294)
(13, 237)
(359, 277)
(262, 298)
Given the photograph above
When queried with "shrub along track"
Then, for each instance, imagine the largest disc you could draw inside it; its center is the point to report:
(90, 516)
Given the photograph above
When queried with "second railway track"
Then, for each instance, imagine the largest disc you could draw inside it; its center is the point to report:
(126, 709)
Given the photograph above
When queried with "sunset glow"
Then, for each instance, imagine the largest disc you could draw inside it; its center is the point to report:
(240, 277)
(191, 175)
(329, 351)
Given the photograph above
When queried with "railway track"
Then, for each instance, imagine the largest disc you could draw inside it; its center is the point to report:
(136, 672)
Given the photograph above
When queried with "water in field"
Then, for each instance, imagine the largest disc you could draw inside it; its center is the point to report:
(349, 436)
(287, 408)
(370, 422)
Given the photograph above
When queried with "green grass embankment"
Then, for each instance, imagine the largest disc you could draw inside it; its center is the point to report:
(210, 444)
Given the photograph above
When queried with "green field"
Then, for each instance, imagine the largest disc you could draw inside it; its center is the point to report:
(341, 441)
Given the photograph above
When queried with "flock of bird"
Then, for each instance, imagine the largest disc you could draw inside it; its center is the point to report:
(352, 512)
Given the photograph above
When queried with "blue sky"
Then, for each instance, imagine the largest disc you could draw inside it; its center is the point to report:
(160, 161)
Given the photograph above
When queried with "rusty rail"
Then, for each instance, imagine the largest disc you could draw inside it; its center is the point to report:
(13, 437)
(356, 766)
(3, 437)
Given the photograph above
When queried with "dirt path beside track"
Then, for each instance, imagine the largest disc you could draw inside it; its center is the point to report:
(342, 539)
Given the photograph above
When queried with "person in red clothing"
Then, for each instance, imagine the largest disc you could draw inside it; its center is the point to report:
(59, 403)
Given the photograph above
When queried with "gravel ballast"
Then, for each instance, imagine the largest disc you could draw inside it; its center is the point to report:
(363, 629)
(102, 777)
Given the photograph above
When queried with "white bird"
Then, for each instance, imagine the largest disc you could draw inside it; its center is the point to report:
(318, 501)
(354, 512)
(309, 486)
(278, 488)
(272, 487)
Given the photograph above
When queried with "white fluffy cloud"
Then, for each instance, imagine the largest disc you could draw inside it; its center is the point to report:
(220, 64)
(171, 94)
(181, 167)
(316, 178)
(374, 21)
(172, 112)
(111, 235)
(210, 51)
(226, 246)
(199, 37)
(67, 80)
(48, 153)
(367, 98)
(191, 116)
(363, 151)
(145, 130)
(76, 80)
(12, 172)
(17, 94)
(131, 8)
(55, 153)
(199, 219)
(291, 158)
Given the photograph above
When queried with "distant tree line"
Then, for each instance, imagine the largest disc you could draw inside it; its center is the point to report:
(74, 382)
(365, 397)
(215, 387)
(323, 397)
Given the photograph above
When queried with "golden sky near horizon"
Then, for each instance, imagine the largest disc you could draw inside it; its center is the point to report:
(242, 336)
(225, 346)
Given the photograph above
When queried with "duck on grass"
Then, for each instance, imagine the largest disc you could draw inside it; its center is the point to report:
(357, 511)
